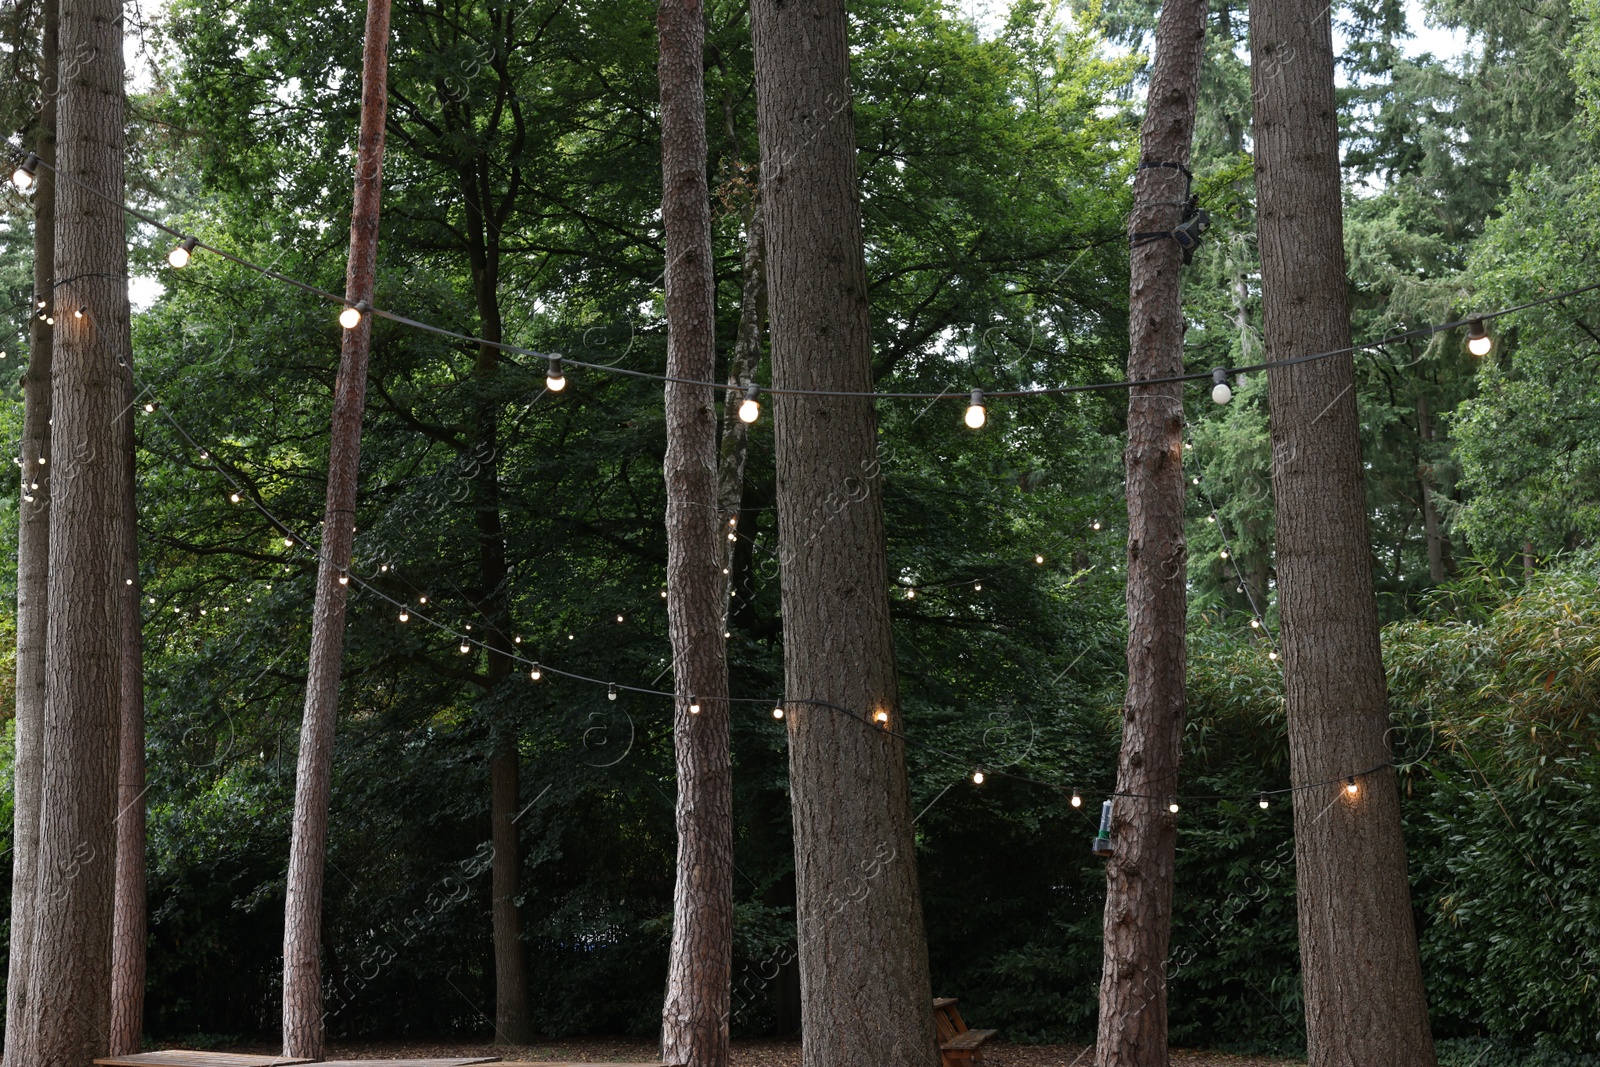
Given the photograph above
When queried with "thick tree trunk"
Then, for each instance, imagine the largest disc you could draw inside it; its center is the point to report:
(1432, 528)
(1139, 876)
(128, 924)
(302, 926)
(33, 567)
(68, 1013)
(864, 980)
(694, 1016)
(1358, 949)
(512, 1024)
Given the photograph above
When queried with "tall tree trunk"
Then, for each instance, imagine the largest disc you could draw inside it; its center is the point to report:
(1358, 948)
(33, 566)
(128, 923)
(302, 926)
(1139, 876)
(68, 1013)
(486, 215)
(1432, 528)
(851, 803)
(694, 1015)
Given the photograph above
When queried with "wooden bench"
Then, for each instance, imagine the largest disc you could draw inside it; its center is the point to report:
(958, 1046)
(191, 1058)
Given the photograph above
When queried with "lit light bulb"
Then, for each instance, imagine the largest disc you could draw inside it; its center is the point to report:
(128, 580)
(80, 313)
(1173, 807)
(1077, 801)
(694, 706)
(1224, 553)
(1272, 655)
(152, 600)
(344, 579)
(149, 408)
(1262, 801)
(405, 616)
(554, 379)
(465, 648)
(977, 587)
(350, 317)
(517, 640)
(726, 634)
(1211, 518)
(777, 713)
(664, 592)
(179, 257)
(733, 537)
(750, 408)
(1096, 525)
(977, 777)
(288, 542)
(1038, 559)
(1255, 624)
(1350, 786)
(976, 413)
(1187, 445)
(536, 673)
(619, 618)
(611, 691)
(1479, 343)
(881, 718)
(422, 600)
(25, 174)
(911, 594)
(1220, 393)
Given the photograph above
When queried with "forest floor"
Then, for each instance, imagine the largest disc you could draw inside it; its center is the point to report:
(757, 1053)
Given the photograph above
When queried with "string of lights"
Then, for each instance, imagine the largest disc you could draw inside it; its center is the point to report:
(350, 317)
(1479, 341)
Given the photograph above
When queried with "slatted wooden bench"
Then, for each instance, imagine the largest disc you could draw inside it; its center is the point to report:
(190, 1058)
(958, 1046)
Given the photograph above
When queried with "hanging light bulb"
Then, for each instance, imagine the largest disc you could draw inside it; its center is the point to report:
(554, 379)
(405, 616)
(350, 317)
(1262, 800)
(611, 691)
(619, 618)
(1272, 655)
(977, 587)
(881, 717)
(517, 640)
(1038, 559)
(1350, 786)
(977, 415)
(664, 592)
(1220, 393)
(911, 594)
(536, 673)
(1255, 624)
(1096, 525)
(1224, 553)
(150, 408)
(26, 173)
(1211, 518)
(694, 706)
(344, 579)
(80, 313)
(977, 776)
(777, 713)
(179, 257)
(1173, 807)
(1077, 801)
(288, 542)
(750, 409)
(1479, 343)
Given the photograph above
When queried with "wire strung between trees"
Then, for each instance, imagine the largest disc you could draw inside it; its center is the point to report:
(879, 722)
(189, 243)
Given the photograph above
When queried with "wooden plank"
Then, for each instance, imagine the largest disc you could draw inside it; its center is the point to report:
(941, 1003)
(581, 1063)
(193, 1058)
(968, 1040)
(458, 1062)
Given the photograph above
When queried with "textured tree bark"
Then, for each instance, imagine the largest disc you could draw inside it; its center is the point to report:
(68, 1013)
(512, 1023)
(694, 1016)
(486, 216)
(865, 990)
(302, 927)
(128, 920)
(1363, 983)
(33, 566)
(1139, 875)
